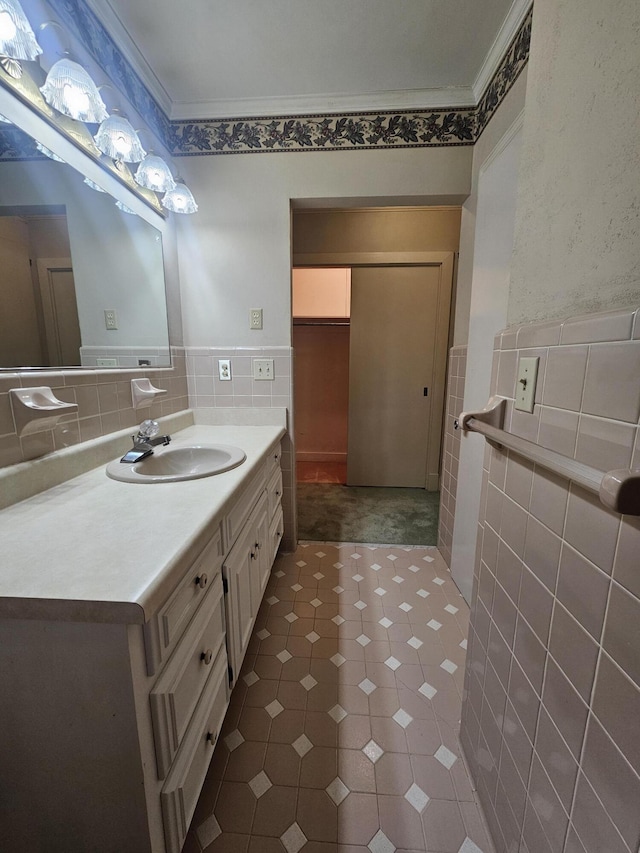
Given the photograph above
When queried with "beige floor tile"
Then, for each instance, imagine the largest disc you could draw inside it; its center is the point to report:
(319, 767)
(321, 729)
(394, 774)
(443, 826)
(338, 645)
(235, 808)
(356, 771)
(358, 819)
(275, 811)
(423, 737)
(287, 726)
(354, 731)
(401, 823)
(317, 815)
(228, 842)
(262, 844)
(254, 724)
(245, 762)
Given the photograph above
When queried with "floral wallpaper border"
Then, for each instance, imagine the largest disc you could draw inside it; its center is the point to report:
(345, 132)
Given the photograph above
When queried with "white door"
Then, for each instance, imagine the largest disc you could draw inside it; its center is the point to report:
(395, 316)
(60, 311)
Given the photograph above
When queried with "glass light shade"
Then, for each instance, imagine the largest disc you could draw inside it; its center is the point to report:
(93, 185)
(48, 153)
(17, 39)
(5, 120)
(154, 174)
(180, 200)
(70, 90)
(124, 208)
(117, 139)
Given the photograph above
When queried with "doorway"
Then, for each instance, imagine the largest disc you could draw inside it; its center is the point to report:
(375, 399)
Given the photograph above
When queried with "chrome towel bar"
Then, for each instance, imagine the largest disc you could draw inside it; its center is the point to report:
(618, 490)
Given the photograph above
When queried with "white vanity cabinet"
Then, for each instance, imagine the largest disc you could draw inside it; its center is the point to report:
(109, 726)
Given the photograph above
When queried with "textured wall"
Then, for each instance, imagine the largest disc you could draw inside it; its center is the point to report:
(576, 245)
(552, 688)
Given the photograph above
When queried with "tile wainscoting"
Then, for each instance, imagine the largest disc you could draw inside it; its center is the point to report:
(208, 392)
(451, 450)
(104, 405)
(552, 684)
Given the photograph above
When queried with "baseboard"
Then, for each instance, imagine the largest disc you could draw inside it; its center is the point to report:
(311, 456)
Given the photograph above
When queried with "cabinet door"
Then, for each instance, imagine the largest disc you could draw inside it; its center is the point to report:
(264, 561)
(237, 571)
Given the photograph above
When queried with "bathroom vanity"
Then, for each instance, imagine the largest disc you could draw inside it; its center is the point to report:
(125, 614)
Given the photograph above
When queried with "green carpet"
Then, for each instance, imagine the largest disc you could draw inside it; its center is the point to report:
(384, 516)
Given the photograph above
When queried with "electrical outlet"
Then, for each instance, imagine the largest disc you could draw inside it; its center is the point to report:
(224, 369)
(110, 319)
(263, 368)
(526, 384)
(255, 318)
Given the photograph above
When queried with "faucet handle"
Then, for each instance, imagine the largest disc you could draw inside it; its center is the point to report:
(148, 429)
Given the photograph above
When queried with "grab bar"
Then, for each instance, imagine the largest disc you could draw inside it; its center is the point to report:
(618, 490)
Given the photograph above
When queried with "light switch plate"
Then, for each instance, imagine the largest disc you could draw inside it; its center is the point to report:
(262, 368)
(526, 384)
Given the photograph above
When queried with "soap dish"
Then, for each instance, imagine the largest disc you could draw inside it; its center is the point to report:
(143, 393)
(37, 409)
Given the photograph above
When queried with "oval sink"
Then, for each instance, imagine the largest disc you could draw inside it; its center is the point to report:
(169, 465)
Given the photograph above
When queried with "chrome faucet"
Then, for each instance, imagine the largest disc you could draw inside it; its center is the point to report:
(144, 442)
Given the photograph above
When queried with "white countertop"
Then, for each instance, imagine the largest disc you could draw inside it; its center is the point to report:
(94, 549)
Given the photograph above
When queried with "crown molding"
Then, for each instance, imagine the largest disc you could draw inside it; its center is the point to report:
(298, 105)
(492, 61)
(104, 11)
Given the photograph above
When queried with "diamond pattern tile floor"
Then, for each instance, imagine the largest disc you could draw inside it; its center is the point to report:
(341, 735)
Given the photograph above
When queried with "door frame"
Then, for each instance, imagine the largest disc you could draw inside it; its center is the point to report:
(445, 260)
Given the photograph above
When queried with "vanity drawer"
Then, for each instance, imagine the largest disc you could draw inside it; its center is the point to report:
(182, 788)
(165, 629)
(241, 510)
(178, 689)
(274, 491)
(274, 459)
(276, 531)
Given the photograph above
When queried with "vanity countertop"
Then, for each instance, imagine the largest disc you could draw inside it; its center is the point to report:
(94, 549)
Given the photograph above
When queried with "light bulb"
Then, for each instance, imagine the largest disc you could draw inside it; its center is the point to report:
(8, 28)
(122, 145)
(77, 101)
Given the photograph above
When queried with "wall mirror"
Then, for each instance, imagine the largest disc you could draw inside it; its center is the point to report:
(81, 281)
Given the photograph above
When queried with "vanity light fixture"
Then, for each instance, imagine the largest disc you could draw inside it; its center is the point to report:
(154, 174)
(117, 139)
(48, 153)
(179, 200)
(70, 90)
(124, 208)
(17, 39)
(93, 185)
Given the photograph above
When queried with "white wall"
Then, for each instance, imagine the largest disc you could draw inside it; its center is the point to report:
(576, 244)
(235, 253)
(495, 219)
(499, 125)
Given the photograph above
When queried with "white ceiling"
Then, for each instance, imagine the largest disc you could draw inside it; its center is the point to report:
(213, 58)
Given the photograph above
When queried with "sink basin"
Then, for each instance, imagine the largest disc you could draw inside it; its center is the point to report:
(171, 464)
